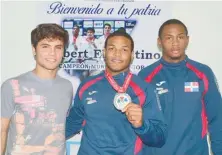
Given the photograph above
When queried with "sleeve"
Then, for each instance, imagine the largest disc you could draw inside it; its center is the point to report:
(75, 117)
(7, 100)
(153, 131)
(213, 104)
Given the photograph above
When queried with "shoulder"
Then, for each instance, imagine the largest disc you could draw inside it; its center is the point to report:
(205, 71)
(14, 81)
(149, 69)
(203, 68)
(91, 80)
(139, 82)
(6, 85)
(65, 82)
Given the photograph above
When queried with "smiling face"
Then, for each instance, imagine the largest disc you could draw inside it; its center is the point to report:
(173, 42)
(48, 53)
(118, 54)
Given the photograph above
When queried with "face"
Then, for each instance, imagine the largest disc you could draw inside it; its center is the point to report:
(48, 54)
(173, 42)
(107, 29)
(75, 30)
(90, 34)
(118, 54)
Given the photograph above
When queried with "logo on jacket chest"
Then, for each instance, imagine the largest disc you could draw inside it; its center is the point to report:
(91, 99)
(191, 87)
(160, 90)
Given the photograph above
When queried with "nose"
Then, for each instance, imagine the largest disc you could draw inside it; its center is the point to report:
(117, 52)
(52, 51)
(175, 41)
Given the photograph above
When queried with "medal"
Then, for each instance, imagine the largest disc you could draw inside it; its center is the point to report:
(121, 98)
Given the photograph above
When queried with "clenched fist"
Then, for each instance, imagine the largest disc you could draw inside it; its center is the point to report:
(134, 114)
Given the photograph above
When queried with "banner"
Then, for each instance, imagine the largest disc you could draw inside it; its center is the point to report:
(89, 24)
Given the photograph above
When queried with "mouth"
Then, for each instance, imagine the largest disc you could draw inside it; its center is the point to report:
(175, 51)
(116, 60)
(51, 60)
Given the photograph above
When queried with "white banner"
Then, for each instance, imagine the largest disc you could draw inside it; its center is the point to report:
(140, 19)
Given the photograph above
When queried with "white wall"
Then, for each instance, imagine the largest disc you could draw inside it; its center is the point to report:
(17, 21)
(203, 19)
(204, 23)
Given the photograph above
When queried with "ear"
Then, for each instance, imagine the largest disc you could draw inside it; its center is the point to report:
(159, 44)
(33, 51)
(187, 43)
(104, 53)
(132, 57)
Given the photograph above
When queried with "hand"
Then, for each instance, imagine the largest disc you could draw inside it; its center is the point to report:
(134, 114)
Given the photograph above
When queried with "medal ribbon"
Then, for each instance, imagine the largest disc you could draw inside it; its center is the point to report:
(115, 85)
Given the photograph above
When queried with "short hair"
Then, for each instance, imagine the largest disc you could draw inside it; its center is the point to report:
(107, 24)
(49, 31)
(169, 22)
(120, 32)
(90, 29)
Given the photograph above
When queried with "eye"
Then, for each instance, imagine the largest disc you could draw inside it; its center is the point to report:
(181, 37)
(125, 50)
(44, 46)
(168, 38)
(110, 49)
(59, 47)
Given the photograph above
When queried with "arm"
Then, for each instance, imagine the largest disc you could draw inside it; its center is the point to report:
(213, 104)
(153, 130)
(147, 121)
(7, 108)
(75, 117)
(4, 133)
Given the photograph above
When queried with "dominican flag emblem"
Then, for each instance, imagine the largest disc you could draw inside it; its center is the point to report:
(191, 87)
